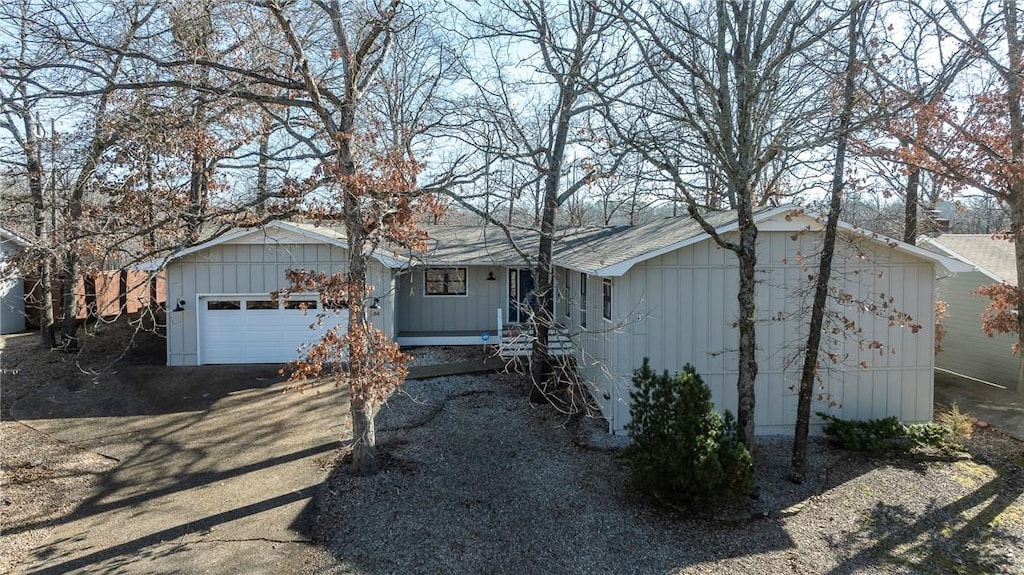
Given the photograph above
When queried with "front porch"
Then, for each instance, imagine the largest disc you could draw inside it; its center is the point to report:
(454, 337)
(516, 339)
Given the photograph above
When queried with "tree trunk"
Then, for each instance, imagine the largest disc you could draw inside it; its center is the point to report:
(747, 299)
(69, 300)
(1017, 229)
(196, 198)
(72, 264)
(1015, 51)
(821, 282)
(34, 170)
(540, 358)
(364, 437)
(910, 206)
(262, 191)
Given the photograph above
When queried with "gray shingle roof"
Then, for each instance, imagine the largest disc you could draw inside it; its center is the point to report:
(480, 245)
(605, 252)
(451, 245)
(595, 250)
(994, 256)
(591, 250)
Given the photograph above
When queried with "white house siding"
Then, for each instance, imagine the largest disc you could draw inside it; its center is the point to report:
(475, 312)
(253, 268)
(681, 308)
(12, 292)
(965, 348)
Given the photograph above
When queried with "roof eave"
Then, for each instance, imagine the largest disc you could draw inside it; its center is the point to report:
(14, 238)
(160, 263)
(621, 268)
(951, 265)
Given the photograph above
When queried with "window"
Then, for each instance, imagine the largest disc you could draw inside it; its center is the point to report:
(444, 281)
(606, 299)
(300, 304)
(336, 305)
(222, 305)
(566, 289)
(583, 299)
(260, 304)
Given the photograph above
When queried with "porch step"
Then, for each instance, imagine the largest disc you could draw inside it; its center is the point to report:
(520, 344)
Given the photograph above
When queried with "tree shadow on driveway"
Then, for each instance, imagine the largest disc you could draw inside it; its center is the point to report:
(208, 454)
(977, 532)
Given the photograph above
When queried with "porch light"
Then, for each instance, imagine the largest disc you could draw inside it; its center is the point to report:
(376, 303)
(180, 306)
(490, 277)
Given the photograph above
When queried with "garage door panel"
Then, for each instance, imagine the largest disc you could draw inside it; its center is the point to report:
(251, 329)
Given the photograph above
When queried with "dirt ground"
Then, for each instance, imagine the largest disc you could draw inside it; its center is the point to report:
(42, 479)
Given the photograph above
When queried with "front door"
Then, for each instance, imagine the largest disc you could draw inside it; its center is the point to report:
(520, 294)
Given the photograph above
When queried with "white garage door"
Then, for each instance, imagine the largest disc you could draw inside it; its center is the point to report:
(254, 329)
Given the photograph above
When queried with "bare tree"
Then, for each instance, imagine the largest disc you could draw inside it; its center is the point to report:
(548, 58)
(821, 280)
(731, 104)
(23, 58)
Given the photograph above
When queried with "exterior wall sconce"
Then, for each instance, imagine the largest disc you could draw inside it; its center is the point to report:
(375, 304)
(180, 306)
(490, 277)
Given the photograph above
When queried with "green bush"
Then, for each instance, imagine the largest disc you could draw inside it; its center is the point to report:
(683, 451)
(880, 436)
(927, 435)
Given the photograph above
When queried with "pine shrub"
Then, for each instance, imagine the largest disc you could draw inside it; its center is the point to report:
(883, 436)
(683, 451)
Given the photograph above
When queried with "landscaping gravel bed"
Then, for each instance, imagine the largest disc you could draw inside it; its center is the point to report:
(476, 480)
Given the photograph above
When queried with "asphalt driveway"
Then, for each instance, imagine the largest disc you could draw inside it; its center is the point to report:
(216, 469)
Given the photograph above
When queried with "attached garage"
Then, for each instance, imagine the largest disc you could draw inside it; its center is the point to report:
(220, 308)
(253, 328)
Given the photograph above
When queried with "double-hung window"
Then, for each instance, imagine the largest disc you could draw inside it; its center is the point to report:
(444, 281)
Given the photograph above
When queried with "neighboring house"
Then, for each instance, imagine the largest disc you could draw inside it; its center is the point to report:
(663, 290)
(966, 350)
(12, 285)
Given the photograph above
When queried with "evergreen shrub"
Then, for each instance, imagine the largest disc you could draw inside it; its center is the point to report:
(683, 451)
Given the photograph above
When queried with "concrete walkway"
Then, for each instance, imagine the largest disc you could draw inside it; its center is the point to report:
(216, 470)
(1001, 407)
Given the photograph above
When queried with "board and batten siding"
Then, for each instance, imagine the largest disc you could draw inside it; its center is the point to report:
(681, 308)
(475, 312)
(596, 357)
(966, 349)
(253, 268)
